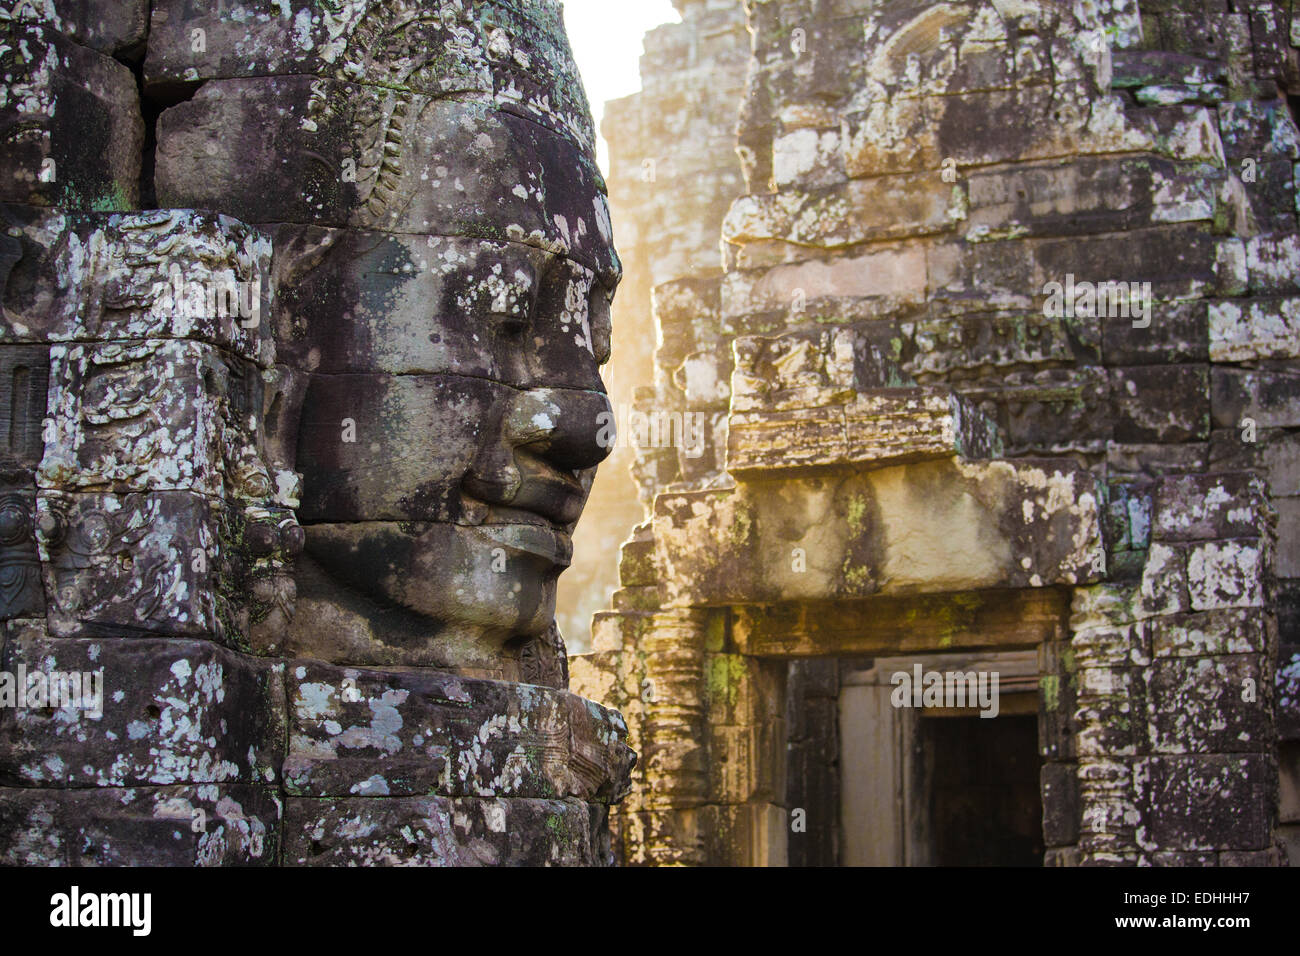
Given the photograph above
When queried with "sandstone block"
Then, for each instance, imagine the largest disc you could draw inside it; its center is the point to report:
(1198, 507)
(149, 416)
(977, 342)
(1124, 645)
(1109, 727)
(22, 594)
(206, 825)
(880, 532)
(166, 712)
(161, 274)
(1265, 396)
(517, 55)
(1213, 633)
(109, 26)
(1050, 411)
(1060, 788)
(1177, 334)
(1288, 697)
(1272, 261)
(349, 474)
(1087, 195)
(360, 732)
(1196, 705)
(359, 158)
(844, 214)
(71, 119)
(1133, 69)
(355, 302)
(1227, 574)
(436, 831)
(126, 563)
(1166, 405)
(1259, 131)
(873, 428)
(1206, 802)
(1275, 454)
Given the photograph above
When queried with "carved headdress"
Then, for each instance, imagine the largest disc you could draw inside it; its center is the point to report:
(423, 117)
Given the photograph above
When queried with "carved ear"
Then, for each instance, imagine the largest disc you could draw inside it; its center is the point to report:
(11, 253)
(544, 660)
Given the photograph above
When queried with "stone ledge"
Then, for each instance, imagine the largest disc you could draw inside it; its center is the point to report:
(418, 732)
(436, 831)
(174, 711)
(872, 428)
(67, 104)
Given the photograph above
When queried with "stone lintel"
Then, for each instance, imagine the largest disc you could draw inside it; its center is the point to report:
(934, 527)
(1001, 620)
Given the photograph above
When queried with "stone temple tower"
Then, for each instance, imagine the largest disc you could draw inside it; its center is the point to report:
(1001, 350)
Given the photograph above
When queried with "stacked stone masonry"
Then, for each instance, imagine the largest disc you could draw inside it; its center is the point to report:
(933, 436)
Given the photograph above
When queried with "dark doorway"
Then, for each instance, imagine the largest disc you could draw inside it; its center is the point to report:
(985, 806)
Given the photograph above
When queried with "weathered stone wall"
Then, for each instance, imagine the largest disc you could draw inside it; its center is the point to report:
(919, 175)
(1158, 716)
(412, 181)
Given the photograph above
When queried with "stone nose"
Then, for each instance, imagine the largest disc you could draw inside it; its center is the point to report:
(559, 431)
(562, 426)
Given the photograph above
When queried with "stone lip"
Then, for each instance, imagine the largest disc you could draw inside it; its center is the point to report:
(438, 831)
(192, 712)
(208, 825)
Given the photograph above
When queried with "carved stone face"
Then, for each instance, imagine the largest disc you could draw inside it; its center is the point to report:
(443, 269)
(455, 412)
(462, 490)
